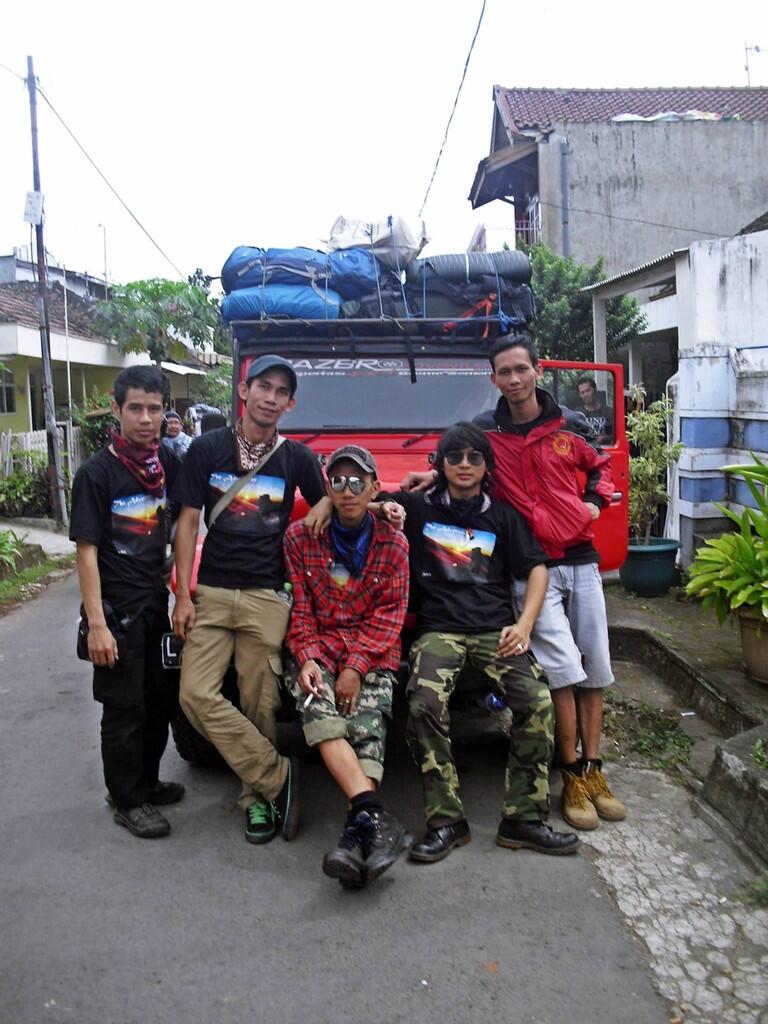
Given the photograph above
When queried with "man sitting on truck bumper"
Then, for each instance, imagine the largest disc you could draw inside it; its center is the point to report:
(465, 552)
(350, 589)
(240, 607)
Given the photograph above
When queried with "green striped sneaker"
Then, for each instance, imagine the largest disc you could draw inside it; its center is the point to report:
(260, 823)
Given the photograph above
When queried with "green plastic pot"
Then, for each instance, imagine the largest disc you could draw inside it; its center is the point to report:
(650, 568)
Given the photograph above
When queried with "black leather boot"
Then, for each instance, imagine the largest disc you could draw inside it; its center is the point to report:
(535, 835)
(438, 842)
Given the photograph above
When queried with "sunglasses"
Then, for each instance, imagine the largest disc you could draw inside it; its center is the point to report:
(473, 456)
(356, 484)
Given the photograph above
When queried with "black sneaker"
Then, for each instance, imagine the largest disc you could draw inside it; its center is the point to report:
(146, 821)
(260, 823)
(164, 793)
(286, 803)
(438, 842)
(384, 839)
(535, 835)
(347, 862)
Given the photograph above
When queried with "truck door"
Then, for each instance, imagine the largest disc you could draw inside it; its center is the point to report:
(597, 390)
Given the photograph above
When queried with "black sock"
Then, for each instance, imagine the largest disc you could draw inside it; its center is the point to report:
(575, 769)
(595, 761)
(368, 800)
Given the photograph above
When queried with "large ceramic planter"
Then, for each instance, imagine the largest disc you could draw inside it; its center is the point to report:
(650, 568)
(754, 644)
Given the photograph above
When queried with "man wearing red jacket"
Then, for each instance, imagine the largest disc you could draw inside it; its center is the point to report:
(540, 451)
(350, 589)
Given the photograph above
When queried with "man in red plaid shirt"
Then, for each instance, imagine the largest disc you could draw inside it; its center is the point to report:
(350, 589)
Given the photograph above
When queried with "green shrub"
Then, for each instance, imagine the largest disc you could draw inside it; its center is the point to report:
(26, 491)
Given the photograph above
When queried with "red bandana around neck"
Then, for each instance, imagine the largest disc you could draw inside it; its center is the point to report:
(143, 463)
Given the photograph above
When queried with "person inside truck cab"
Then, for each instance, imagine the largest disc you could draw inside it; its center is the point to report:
(598, 414)
(240, 606)
(350, 588)
(465, 550)
(541, 450)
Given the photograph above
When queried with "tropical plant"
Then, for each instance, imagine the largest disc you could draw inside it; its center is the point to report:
(96, 420)
(10, 548)
(563, 324)
(731, 571)
(159, 317)
(647, 432)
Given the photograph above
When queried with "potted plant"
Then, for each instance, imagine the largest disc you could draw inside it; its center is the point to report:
(650, 566)
(730, 573)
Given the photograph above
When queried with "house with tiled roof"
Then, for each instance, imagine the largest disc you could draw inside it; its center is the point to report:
(81, 359)
(626, 174)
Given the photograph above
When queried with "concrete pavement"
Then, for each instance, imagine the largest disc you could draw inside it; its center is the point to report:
(99, 927)
(51, 541)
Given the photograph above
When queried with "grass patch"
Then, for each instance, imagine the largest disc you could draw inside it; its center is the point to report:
(760, 755)
(653, 734)
(31, 581)
(756, 893)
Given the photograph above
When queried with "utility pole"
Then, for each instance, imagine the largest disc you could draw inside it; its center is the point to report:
(106, 279)
(55, 472)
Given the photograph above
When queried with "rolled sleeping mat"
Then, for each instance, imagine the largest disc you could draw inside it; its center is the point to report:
(299, 302)
(464, 267)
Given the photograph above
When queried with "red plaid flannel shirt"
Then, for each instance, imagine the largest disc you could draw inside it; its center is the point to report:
(357, 626)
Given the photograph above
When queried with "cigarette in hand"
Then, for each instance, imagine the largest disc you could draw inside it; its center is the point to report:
(308, 701)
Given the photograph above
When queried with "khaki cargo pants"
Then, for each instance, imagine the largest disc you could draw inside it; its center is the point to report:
(251, 625)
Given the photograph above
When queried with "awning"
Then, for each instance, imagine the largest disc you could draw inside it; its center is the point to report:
(183, 371)
(512, 171)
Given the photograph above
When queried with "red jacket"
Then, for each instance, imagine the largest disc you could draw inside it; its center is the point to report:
(350, 623)
(539, 473)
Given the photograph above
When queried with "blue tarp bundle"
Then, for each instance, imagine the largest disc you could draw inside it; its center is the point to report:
(300, 302)
(350, 272)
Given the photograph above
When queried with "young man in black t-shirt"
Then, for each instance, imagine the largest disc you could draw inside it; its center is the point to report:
(119, 512)
(465, 551)
(240, 606)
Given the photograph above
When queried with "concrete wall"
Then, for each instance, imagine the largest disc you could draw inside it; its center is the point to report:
(710, 176)
(722, 302)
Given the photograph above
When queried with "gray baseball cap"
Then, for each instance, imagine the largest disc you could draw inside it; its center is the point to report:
(354, 453)
(270, 362)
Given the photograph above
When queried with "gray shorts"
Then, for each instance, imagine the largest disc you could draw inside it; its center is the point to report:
(570, 638)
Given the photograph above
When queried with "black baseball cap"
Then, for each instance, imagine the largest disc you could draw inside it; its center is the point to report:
(263, 363)
(354, 453)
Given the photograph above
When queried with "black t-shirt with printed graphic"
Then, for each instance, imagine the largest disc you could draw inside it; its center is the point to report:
(462, 573)
(128, 526)
(244, 546)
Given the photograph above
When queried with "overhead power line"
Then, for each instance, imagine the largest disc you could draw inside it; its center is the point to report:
(12, 72)
(453, 110)
(109, 185)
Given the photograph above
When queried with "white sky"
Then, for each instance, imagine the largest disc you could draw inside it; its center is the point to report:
(258, 123)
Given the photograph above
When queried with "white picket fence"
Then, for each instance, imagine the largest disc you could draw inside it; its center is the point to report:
(14, 449)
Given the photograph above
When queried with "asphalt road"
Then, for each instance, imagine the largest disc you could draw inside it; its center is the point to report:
(101, 928)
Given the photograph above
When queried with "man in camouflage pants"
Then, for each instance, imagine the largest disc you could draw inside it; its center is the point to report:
(350, 589)
(465, 552)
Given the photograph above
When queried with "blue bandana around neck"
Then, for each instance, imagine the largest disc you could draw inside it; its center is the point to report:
(350, 545)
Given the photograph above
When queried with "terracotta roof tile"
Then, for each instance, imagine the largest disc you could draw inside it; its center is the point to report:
(18, 305)
(529, 108)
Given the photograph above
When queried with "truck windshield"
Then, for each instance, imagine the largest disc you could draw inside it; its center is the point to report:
(379, 394)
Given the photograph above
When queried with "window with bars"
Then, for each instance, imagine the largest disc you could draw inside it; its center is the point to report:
(7, 391)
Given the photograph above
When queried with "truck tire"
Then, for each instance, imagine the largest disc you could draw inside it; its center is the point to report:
(190, 745)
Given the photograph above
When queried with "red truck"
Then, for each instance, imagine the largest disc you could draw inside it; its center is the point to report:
(393, 387)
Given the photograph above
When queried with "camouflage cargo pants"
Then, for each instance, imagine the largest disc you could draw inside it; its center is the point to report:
(436, 660)
(365, 730)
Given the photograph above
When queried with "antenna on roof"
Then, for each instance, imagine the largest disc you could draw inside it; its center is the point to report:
(747, 51)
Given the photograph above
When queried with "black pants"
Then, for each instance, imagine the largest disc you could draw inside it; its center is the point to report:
(138, 698)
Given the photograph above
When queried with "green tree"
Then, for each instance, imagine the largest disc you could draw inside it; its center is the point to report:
(215, 388)
(157, 316)
(222, 339)
(563, 324)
